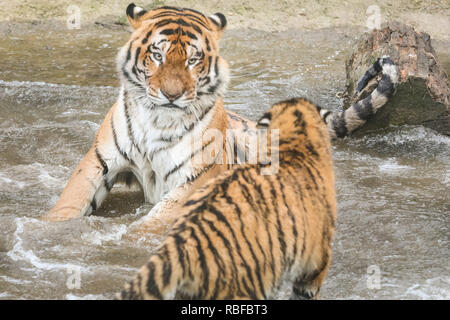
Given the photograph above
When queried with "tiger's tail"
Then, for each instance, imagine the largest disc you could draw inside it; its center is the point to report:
(342, 123)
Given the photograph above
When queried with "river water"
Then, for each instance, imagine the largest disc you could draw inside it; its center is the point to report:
(392, 236)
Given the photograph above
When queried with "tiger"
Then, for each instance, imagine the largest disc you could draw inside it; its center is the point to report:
(245, 235)
(172, 84)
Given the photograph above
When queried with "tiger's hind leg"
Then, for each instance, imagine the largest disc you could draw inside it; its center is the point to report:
(307, 288)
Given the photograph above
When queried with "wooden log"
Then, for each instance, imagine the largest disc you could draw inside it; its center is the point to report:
(423, 92)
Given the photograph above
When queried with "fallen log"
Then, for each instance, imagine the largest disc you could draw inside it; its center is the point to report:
(423, 92)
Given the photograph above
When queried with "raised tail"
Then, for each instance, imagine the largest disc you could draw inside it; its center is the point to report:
(342, 123)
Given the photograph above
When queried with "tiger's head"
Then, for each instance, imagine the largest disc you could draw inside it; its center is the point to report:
(171, 61)
(300, 125)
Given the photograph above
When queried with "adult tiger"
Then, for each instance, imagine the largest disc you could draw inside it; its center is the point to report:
(246, 235)
(172, 82)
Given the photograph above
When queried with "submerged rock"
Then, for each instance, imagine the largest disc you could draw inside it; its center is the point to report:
(423, 92)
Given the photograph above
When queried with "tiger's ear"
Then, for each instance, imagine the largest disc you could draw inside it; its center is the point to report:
(134, 15)
(265, 120)
(219, 23)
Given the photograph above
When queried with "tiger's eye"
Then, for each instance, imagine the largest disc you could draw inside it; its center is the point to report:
(192, 61)
(157, 56)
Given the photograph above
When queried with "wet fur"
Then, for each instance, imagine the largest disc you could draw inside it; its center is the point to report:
(145, 139)
(245, 234)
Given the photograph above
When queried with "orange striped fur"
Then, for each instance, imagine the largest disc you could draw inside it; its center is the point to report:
(251, 236)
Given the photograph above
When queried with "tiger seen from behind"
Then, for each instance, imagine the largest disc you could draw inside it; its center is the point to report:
(245, 235)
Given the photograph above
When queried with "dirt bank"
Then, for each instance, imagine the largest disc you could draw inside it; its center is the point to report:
(267, 15)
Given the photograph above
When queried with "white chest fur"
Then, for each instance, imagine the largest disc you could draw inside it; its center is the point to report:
(156, 144)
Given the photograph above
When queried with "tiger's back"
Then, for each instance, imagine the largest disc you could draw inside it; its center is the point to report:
(245, 234)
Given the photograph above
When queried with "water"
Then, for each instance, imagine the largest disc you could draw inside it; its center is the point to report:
(392, 185)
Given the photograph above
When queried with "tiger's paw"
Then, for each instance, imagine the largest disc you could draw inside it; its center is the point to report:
(156, 223)
(62, 214)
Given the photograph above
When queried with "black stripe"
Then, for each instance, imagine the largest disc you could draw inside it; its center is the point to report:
(196, 28)
(191, 16)
(262, 203)
(102, 162)
(203, 264)
(281, 236)
(255, 259)
(129, 125)
(227, 244)
(167, 267)
(267, 227)
(178, 246)
(138, 285)
(93, 205)
(385, 86)
(199, 174)
(191, 35)
(326, 115)
(368, 75)
(311, 149)
(168, 32)
(187, 130)
(144, 41)
(133, 82)
(152, 287)
(217, 259)
(209, 65)
(212, 89)
(364, 108)
(339, 125)
(116, 143)
(194, 11)
(188, 16)
(136, 57)
(182, 163)
(208, 47)
(141, 13)
(108, 186)
(294, 227)
(163, 23)
(216, 66)
(222, 219)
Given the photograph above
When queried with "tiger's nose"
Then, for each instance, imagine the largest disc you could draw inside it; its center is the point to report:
(172, 96)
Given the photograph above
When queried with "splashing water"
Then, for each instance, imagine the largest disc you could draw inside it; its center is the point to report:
(392, 185)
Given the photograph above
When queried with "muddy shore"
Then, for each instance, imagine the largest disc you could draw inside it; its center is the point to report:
(265, 15)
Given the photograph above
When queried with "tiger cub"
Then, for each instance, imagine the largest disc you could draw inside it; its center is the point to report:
(244, 235)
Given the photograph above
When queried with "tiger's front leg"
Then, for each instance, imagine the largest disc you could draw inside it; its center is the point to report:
(164, 213)
(92, 179)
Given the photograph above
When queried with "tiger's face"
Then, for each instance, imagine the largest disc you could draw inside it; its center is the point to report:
(172, 59)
